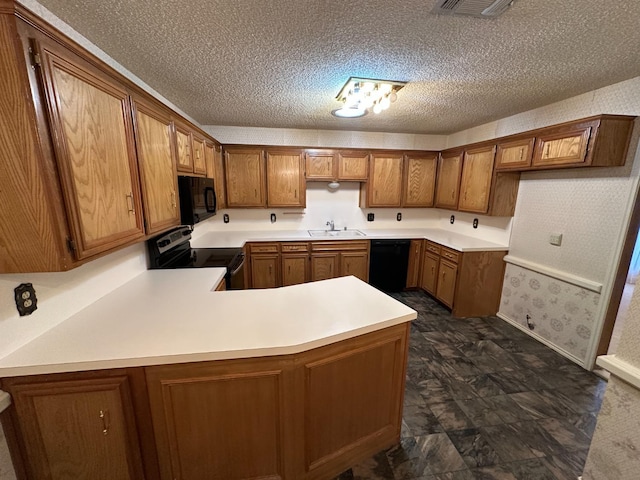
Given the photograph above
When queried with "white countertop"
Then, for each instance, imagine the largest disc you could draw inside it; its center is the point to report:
(173, 316)
(455, 241)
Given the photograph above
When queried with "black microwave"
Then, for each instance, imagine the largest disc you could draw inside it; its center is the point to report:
(197, 199)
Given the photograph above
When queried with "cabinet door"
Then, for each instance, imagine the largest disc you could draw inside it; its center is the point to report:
(475, 184)
(79, 429)
(285, 179)
(419, 181)
(448, 180)
(429, 278)
(415, 261)
(321, 165)
(218, 177)
(567, 146)
(514, 155)
(447, 274)
(356, 264)
(264, 271)
(199, 160)
(385, 181)
(225, 420)
(323, 266)
(156, 159)
(353, 166)
(183, 148)
(244, 169)
(90, 115)
(295, 269)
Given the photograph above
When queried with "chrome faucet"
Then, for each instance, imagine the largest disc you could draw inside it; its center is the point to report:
(331, 225)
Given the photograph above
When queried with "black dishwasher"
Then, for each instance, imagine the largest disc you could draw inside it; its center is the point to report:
(388, 266)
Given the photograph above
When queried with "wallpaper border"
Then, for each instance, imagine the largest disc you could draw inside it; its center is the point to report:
(543, 340)
(566, 277)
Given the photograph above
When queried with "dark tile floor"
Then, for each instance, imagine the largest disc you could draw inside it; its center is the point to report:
(485, 401)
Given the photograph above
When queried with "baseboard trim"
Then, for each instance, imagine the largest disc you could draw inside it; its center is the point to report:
(620, 369)
(542, 340)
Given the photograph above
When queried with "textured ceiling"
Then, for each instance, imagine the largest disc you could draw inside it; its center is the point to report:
(280, 63)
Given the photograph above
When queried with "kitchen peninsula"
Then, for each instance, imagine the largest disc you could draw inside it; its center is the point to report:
(166, 378)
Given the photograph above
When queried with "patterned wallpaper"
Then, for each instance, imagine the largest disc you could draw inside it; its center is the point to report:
(615, 447)
(6, 470)
(562, 313)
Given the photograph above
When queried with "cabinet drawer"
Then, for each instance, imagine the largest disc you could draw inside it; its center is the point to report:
(264, 248)
(294, 247)
(345, 245)
(433, 248)
(450, 255)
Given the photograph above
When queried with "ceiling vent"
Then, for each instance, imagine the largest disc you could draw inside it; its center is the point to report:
(474, 8)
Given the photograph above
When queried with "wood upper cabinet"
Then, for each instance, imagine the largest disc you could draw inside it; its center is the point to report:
(245, 176)
(156, 160)
(215, 170)
(199, 158)
(90, 116)
(321, 165)
(286, 186)
(448, 180)
(562, 147)
(415, 262)
(184, 148)
(353, 165)
(73, 429)
(514, 154)
(384, 188)
(475, 183)
(419, 180)
(356, 264)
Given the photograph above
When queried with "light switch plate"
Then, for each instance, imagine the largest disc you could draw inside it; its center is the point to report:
(555, 239)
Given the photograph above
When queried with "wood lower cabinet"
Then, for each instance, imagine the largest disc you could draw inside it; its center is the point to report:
(156, 159)
(286, 186)
(324, 266)
(77, 426)
(448, 180)
(415, 263)
(307, 416)
(469, 283)
(356, 264)
(295, 263)
(265, 265)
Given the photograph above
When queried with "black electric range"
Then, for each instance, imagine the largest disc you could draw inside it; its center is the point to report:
(173, 249)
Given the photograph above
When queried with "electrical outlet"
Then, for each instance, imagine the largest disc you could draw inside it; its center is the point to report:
(475, 223)
(273, 218)
(26, 301)
(399, 217)
(555, 239)
(370, 217)
(225, 218)
(452, 219)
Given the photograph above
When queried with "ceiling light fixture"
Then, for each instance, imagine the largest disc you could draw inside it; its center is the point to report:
(360, 95)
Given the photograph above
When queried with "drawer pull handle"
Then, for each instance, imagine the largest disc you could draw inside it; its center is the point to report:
(104, 415)
(173, 199)
(130, 204)
(521, 153)
(547, 152)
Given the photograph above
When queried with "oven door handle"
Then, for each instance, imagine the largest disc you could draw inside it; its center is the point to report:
(239, 266)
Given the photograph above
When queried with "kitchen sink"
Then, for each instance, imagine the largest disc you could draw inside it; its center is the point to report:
(336, 233)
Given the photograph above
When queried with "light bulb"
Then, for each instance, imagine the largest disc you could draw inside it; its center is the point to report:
(385, 87)
(377, 108)
(393, 96)
(368, 86)
(385, 103)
